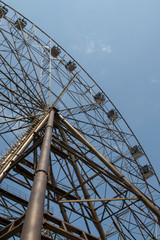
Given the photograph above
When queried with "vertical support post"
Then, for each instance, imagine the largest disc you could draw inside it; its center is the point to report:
(34, 215)
(35, 155)
(50, 74)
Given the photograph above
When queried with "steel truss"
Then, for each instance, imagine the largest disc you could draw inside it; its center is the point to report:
(63, 150)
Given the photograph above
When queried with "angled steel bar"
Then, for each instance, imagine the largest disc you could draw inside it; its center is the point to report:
(50, 222)
(64, 90)
(4, 221)
(84, 189)
(10, 159)
(98, 200)
(50, 187)
(13, 197)
(12, 228)
(65, 229)
(61, 206)
(34, 216)
(127, 183)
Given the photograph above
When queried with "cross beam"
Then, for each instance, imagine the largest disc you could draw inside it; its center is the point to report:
(97, 200)
(55, 225)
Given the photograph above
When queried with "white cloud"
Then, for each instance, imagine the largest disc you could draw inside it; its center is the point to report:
(154, 81)
(106, 49)
(103, 71)
(90, 47)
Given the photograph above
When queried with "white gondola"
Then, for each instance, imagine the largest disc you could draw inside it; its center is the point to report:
(20, 24)
(55, 51)
(3, 11)
(136, 152)
(112, 115)
(99, 97)
(70, 66)
(147, 171)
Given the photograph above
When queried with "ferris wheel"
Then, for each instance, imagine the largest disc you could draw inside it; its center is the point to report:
(70, 166)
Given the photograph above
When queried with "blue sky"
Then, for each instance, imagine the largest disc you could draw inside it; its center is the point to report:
(117, 42)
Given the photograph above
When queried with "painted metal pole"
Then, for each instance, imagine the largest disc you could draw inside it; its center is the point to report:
(98, 200)
(34, 215)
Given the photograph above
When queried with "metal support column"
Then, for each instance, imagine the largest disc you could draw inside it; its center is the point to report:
(34, 215)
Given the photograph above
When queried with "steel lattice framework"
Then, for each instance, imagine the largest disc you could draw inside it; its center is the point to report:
(60, 147)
